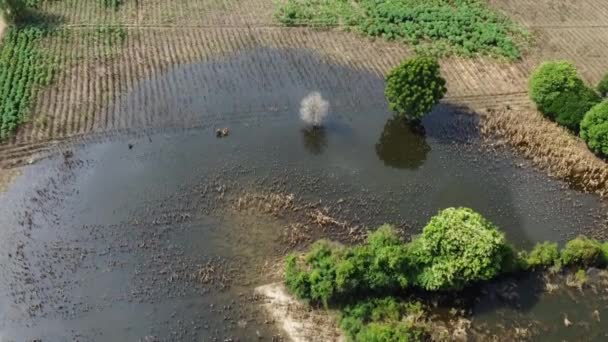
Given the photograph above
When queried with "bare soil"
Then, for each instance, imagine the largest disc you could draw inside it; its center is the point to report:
(299, 322)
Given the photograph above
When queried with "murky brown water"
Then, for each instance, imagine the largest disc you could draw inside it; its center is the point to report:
(132, 235)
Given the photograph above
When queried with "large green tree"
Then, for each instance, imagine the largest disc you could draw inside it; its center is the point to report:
(415, 87)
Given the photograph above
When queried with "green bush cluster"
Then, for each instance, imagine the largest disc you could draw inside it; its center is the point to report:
(383, 319)
(594, 128)
(334, 272)
(414, 87)
(23, 69)
(438, 27)
(544, 255)
(458, 247)
(560, 93)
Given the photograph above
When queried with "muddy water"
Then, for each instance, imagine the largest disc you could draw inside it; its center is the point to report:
(132, 236)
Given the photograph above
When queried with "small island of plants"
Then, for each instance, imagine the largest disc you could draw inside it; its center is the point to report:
(458, 248)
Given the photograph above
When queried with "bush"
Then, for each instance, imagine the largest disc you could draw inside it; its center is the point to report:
(383, 319)
(544, 254)
(415, 87)
(594, 128)
(583, 251)
(456, 248)
(602, 87)
(552, 79)
(605, 252)
(570, 108)
(331, 273)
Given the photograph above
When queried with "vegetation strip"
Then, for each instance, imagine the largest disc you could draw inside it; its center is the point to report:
(24, 68)
(457, 248)
(437, 27)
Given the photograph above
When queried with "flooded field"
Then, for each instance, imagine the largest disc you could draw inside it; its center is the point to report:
(140, 235)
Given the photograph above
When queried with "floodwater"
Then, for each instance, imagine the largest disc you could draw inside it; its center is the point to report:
(133, 236)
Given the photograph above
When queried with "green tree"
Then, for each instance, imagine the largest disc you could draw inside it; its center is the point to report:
(415, 87)
(457, 247)
(552, 79)
(594, 128)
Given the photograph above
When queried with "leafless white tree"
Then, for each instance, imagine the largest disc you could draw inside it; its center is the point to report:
(314, 109)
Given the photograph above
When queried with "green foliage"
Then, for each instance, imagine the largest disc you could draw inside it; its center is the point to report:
(605, 252)
(583, 251)
(332, 272)
(24, 67)
(415, 87)
(383, 320)
(112, 4)
(544, 254)
(438, 27)
(594, 128)
(457, 247)
(602, 87)
(552, 79)
(13, 10)
(570, 107)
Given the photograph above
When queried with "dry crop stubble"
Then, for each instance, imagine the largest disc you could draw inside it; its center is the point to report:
(549, 147)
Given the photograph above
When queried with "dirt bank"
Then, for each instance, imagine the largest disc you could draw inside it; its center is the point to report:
(299, 322)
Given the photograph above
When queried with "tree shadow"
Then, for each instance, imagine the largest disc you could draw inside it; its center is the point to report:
(315, 139)
(402, 144)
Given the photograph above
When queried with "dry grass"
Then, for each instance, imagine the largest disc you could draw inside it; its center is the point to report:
(548, 146)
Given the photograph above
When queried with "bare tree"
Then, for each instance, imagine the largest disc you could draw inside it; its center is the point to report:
(314, 109)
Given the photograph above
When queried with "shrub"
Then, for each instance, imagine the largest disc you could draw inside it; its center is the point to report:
(594, 128)
(415, 87)
(544, 254)
(582, 251)
(569, 108)
(384, 319)
(552, 79)
(332, 272)
(456, 248)
(602, 87)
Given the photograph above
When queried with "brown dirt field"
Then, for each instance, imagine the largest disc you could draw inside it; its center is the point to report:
(166, 33)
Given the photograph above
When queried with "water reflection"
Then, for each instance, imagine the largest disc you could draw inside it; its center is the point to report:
(402, 145)
(315, 139)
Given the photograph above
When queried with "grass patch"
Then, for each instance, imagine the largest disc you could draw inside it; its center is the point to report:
(435, 27)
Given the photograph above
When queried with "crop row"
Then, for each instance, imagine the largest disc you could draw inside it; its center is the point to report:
(23, 69)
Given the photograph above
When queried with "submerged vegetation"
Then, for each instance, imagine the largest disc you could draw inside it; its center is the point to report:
(437, 27)
(457, 248)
